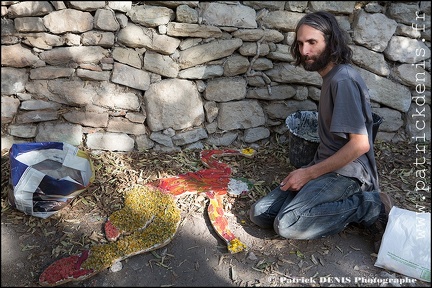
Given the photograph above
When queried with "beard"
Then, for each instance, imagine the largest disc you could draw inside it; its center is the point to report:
(319, 62)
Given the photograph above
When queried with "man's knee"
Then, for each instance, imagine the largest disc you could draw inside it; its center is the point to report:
(285, 226)
(290, 232)
(259, 218)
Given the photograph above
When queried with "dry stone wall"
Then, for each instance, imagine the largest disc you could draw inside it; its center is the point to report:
(172, 75)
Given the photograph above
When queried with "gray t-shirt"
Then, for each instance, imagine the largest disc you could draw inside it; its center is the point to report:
(344, 108)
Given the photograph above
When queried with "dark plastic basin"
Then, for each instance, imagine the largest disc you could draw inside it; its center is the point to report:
(303, 135)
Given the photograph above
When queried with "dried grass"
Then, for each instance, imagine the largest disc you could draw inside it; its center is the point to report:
(79, 225)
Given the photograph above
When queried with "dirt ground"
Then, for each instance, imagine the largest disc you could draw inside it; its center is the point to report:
(197, 257)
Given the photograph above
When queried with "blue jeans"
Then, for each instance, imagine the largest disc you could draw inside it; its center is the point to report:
(324, 206)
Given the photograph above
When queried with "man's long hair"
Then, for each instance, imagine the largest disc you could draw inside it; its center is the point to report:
(336, 38)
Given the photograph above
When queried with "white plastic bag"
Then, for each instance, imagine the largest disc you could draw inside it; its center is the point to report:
(406, 244)
(46, 176)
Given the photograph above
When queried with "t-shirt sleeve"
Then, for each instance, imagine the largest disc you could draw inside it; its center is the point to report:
(347, 115)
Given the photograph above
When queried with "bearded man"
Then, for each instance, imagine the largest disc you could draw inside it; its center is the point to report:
(340, 186)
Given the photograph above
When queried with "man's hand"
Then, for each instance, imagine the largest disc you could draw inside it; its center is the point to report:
(295, 180)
